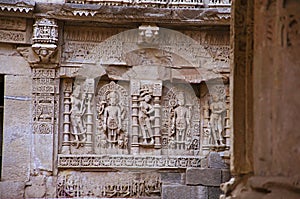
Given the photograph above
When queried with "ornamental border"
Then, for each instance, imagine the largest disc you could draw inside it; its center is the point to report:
(127, 161)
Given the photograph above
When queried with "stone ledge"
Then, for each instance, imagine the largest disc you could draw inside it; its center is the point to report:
(206, 177)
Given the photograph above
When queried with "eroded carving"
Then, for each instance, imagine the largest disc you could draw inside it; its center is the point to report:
(146, 116)
(78, 111)
(181, 117)
(72, 185)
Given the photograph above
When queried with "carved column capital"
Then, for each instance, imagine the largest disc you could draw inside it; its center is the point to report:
(43, 52)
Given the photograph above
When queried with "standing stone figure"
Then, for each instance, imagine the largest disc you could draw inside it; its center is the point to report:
(77, 112)
(145, 109)
(112, 118)
(217, 107)
(180, 121)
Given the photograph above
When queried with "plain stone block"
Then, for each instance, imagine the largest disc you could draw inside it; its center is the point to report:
(203, 176)
(12, 190)
(215, 161)
(214, 192)
(172, 178)
(17, 131)
(184, 192)
(225, 175)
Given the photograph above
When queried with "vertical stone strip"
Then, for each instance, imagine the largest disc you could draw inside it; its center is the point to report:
(135, 86)
(67, 89)
(157, 92)
(45, 93)
(89, 124)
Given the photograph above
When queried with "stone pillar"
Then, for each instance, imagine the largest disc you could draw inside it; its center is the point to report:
(157, 93)
(134, 89)
(42, 58)
(157, 134)
(89, 123)
(67, 121)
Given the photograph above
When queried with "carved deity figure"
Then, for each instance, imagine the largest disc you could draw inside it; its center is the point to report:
(77, 112)
(180, 121)
(217, 107)
(145, 110)
(112, 118)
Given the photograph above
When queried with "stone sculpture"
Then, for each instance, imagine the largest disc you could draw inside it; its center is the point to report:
(77, 113)
(145, 111)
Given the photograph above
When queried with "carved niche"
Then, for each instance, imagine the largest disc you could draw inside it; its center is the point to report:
(112, 119)
(181, 122)
(216, 127)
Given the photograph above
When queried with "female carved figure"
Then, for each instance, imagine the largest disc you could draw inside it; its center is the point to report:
(112, 118)
(180, 121)
(144, 117)
(217, 107)
(77, 113)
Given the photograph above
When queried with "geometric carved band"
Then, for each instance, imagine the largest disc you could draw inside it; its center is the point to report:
(127, 161)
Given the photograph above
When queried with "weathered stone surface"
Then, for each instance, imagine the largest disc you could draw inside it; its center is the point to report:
(51, 186)
(215, 161)
(206, 177)
(17, 131)
(225, 175)
(172, 178)
(214, 192)
(12, 190)
(184, 192)
(36, 187)
(12, 62)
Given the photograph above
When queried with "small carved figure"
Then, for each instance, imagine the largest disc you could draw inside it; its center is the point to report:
(144, 116)
(77, 112)
(112, 118)
(217, 107)
(180, 121)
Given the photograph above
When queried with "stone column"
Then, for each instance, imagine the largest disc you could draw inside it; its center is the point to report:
(67, 121)
(89, 113)
(157, 92)
(134, 89)
(157, 135)
(42, 58)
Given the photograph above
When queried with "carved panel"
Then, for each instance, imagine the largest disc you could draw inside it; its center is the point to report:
(77, 185)
(169, 47)
(45, 100)
(12, 36)
(12, 23)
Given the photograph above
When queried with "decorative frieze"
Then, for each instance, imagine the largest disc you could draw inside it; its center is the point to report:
(12, 23)
(9, 36)
(75, 185)
(127, 161)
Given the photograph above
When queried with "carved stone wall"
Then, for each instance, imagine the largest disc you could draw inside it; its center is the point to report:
(114, 112)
